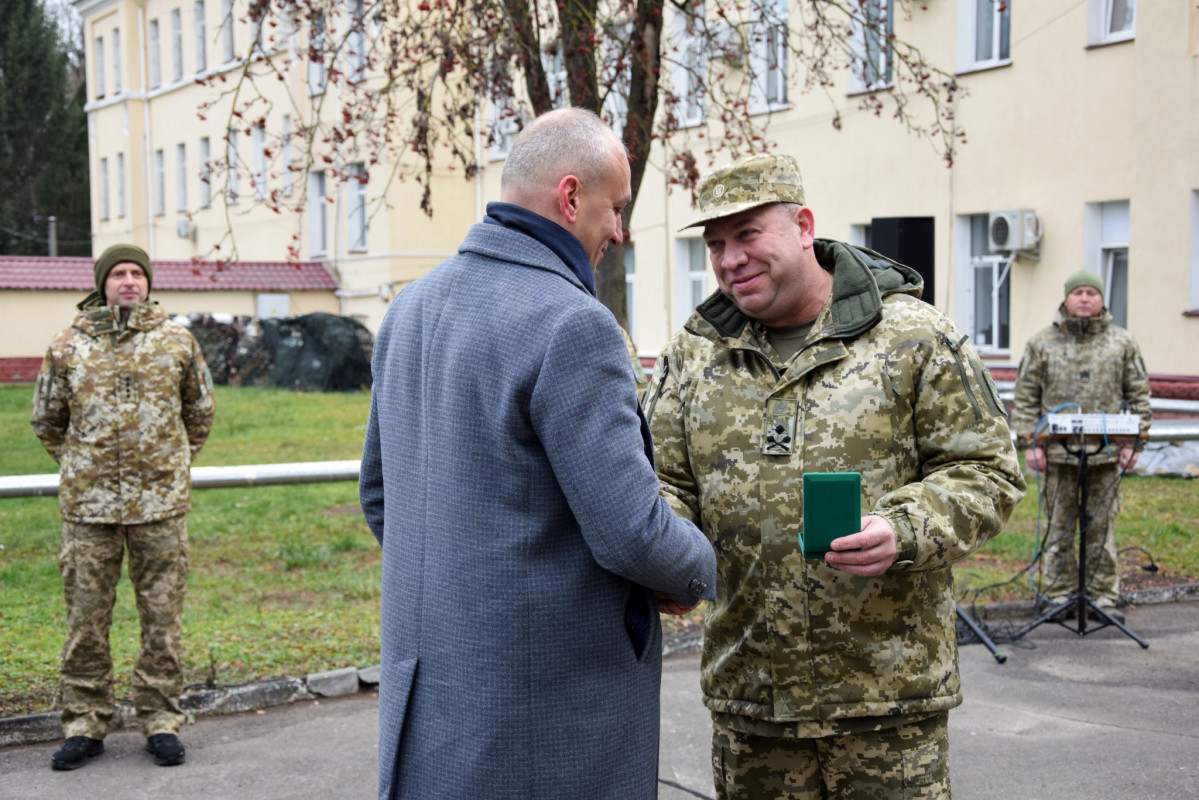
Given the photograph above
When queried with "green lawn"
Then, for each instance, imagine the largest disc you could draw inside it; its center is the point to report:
(285, 579)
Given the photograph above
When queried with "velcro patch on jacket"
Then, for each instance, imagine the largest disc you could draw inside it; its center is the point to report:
(781, 418)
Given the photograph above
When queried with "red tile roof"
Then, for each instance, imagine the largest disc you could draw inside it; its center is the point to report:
(76, 273)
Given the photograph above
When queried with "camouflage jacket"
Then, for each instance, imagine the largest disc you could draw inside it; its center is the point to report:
(884, 385)
(1087, 365)
(123, 409)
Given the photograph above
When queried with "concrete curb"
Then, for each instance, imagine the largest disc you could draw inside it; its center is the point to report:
(35, 728)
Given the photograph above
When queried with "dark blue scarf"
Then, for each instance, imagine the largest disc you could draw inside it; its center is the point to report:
(563, 244)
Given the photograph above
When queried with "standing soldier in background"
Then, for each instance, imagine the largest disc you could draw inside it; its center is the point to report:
(831, 677)
(1089, 365)
(123, 404)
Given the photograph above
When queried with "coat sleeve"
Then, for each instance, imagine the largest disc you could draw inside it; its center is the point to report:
(584, 410)
(970, 477)
(198, 401)
(51, 415)
(1026, 398)
(370, 474)
(664, 406)
(1136, 388)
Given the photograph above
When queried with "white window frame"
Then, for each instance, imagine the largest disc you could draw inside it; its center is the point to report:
(630, 289)
(616, 82)
(316, 43)
(689, 77)
(228, 47)
(1100, 16)
(871, 45)
(972, 254)
(356, 220)
(970, 22)
(104, 209)
(155, 55)
(693, 278)
(318, 217)
(121, 185)
(181, 177)
(231, 177)
(116, 60)
(1106, 252)
(768, 58)
(160, 183)
(205, 172)
(98, 51)
(258, 179)
(289, 180)
(554, 64)
(1194, 304)
(177, 44)
(201, 44)
(356, 40)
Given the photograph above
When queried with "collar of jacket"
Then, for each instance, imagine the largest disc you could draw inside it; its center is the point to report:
(861, 278)
(560, 241)
(1082, 326)
(102, 320)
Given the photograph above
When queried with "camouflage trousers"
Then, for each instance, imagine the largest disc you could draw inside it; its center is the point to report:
(907, 761)
(1059, 562)
(90, 561)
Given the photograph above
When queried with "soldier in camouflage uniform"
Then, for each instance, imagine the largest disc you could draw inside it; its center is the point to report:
(123, 404)
(1082, 363)
(834, 677)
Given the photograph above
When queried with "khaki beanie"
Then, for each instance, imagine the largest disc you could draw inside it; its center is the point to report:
(1084, 278)
(116, 254)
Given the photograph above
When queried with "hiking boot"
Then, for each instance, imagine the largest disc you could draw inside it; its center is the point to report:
(166, 749)
(76, 751)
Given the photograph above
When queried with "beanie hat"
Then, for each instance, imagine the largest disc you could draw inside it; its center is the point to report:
(117, 254)
(1084, 278)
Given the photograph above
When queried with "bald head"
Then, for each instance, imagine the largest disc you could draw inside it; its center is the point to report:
(566, 141)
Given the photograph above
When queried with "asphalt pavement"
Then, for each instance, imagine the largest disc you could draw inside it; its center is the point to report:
(1066, 717)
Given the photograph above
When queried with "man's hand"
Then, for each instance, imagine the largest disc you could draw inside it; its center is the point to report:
(1128, 458)
(1034, 457)
(668, 605)
(869, 553)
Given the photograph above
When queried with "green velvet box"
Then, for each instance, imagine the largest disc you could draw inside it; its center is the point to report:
(832, 508)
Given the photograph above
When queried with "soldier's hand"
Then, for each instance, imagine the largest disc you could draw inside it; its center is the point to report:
(1034, 457)
(1128, 458)
(868, 553)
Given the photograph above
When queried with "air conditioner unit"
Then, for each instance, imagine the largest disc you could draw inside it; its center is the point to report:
(185, 229)
(1012, 231)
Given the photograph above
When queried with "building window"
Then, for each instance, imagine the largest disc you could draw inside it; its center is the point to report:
(870, 46)
(356, 187)
(160, 183)
(316, 54)
(288, 177)
(121, 185)
(155, 56)
(991, 284)
(505, 124)
(227, 22)
(98, 50)
(1106, 239)
(104, 188)
(984, 33)
(1111, 21)
(555, 75)
(181, 177)
(1194, 251)
(231, 178)
(356, 41)
(690, 73)
(259, 177)
(769, 57)
(616, 71)
(691, 278)
(205, 173)
(116, 61)
(176, 44)
(201, 44)
(318, 205)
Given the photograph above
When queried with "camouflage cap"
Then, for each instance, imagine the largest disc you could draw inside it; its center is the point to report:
(745, 184)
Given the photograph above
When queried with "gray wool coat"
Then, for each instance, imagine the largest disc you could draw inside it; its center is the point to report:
(505, 474)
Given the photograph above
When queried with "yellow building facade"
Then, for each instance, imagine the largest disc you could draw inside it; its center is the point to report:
(1080, 151)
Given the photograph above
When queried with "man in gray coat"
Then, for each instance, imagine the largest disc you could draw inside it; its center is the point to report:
(507, 473)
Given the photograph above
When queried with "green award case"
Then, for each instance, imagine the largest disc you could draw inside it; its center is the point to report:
(832, 508)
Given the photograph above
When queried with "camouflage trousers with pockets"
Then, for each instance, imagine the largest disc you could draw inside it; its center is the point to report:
(906, 762)
(1059, 563)
(90, 558)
